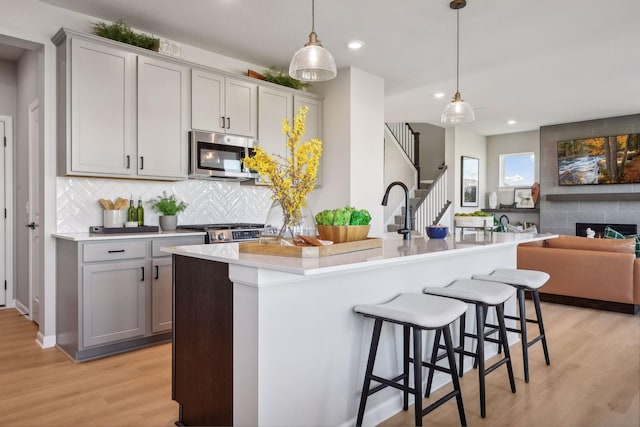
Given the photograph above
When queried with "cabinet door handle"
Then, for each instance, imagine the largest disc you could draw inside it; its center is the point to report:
(141, 162)
(142, 268)
(115, 251)
(128, 161)
(157, 272)
(228, 122)
(222, 122)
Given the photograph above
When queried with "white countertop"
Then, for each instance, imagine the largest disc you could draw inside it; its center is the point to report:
(394, 250)
(83, 237)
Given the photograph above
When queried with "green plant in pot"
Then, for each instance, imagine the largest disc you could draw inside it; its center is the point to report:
(120, 31)
(169, 207)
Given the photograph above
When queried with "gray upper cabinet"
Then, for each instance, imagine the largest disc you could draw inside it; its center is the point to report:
(223, 104)
(120, 113)
(102, 109)
(163, 118)
(275, 105)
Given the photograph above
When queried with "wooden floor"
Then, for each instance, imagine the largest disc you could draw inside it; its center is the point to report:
(593, 380)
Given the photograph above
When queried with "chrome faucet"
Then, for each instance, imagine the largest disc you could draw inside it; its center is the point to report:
(406, 231)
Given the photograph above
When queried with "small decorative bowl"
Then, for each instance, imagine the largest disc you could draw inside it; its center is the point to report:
(437, 232)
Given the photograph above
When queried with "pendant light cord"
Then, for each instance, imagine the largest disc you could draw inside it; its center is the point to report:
(457, 49)
(313, 16)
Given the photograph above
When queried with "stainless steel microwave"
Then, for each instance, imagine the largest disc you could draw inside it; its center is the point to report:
(219, 156)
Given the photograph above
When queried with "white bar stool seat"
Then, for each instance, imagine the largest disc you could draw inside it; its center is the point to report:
(524, 281)
(482, 294)
(415, 312)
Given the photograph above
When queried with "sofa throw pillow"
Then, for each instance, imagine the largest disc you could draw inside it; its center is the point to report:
(610, 233)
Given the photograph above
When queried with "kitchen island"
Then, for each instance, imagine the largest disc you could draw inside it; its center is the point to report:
(273, 341)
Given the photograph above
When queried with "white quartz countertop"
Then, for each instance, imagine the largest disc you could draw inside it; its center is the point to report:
(83, 237)
(394, 250)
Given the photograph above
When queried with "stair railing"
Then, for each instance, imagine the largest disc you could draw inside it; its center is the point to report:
(431, 208)
(409, 141)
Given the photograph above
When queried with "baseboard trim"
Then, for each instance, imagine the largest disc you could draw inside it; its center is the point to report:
(45, 341)
(24, 310)
(590, 303)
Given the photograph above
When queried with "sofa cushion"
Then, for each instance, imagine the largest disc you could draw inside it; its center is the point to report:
(625, 246)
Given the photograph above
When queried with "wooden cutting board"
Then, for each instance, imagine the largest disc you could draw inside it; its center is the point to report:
(309, 251)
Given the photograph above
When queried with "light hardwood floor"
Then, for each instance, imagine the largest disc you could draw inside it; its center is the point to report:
(593, 380)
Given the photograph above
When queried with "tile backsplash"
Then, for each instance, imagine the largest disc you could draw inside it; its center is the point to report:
(209, 201)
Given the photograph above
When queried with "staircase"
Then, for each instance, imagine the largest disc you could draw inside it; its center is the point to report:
(429, 201)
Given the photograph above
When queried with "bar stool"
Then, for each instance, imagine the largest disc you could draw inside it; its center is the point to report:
(524, 280)
(415, 312)
(483, 295)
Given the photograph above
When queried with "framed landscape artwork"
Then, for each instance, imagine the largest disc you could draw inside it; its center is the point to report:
(469, 182)
(602, 160)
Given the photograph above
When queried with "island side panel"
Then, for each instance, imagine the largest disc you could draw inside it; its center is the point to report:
(311, 348)
(202, 342)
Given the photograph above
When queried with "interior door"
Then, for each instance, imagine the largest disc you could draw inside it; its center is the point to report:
(33, 206)
(3, 239)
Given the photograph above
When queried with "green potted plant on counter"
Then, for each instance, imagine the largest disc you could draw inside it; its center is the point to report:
(169, 207)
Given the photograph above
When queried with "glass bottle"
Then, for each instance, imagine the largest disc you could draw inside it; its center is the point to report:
(132, 213)
(140, 212)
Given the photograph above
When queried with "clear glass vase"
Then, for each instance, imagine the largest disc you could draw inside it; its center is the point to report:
(275, 223)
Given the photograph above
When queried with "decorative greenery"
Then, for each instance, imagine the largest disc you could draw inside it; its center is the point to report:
(167, 205)
(279, 77)
(121, 32)
(292, 177)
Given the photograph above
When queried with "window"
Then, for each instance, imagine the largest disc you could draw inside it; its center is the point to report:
(517, 169)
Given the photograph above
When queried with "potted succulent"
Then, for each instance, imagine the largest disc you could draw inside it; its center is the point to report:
(169, 207)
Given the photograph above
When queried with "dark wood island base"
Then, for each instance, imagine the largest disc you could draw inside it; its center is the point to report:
(202, 366)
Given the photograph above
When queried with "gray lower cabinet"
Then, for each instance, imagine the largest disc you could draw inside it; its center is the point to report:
(114, 295)
(161, 295)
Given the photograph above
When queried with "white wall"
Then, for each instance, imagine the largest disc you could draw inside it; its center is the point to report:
(353, 137)
(397, 167)
(460, 142)
(431, 149)
(520, 142)
(8, 88)
(367, 145)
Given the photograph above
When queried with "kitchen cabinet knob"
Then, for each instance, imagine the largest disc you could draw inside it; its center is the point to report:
(228, 122)
(128, 161)
(157, 272)
(116, 251)
(222, 122)
(141, 162)
(142, 268)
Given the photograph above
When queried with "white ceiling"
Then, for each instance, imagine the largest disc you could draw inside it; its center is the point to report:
(539, 62)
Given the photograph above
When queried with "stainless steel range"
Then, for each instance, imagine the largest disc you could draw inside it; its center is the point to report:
(226, 233)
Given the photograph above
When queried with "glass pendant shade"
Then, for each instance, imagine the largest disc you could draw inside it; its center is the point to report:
(457, 112)
(313, 63)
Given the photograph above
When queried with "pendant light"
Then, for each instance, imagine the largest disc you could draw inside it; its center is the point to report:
(457, 111)
(312, 63)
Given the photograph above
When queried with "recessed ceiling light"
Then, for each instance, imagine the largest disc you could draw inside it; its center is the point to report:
(439, 95)
(355, 44)
(511, 122)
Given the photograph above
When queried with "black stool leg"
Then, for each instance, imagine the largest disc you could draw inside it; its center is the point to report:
(536, 303)
(505, 344)
(475, 362)
(523, 333)
(417, 374)
(452, 369)
(480, 309)
(434, 359)
(375, 339)
(463, 322)
(405, 371)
